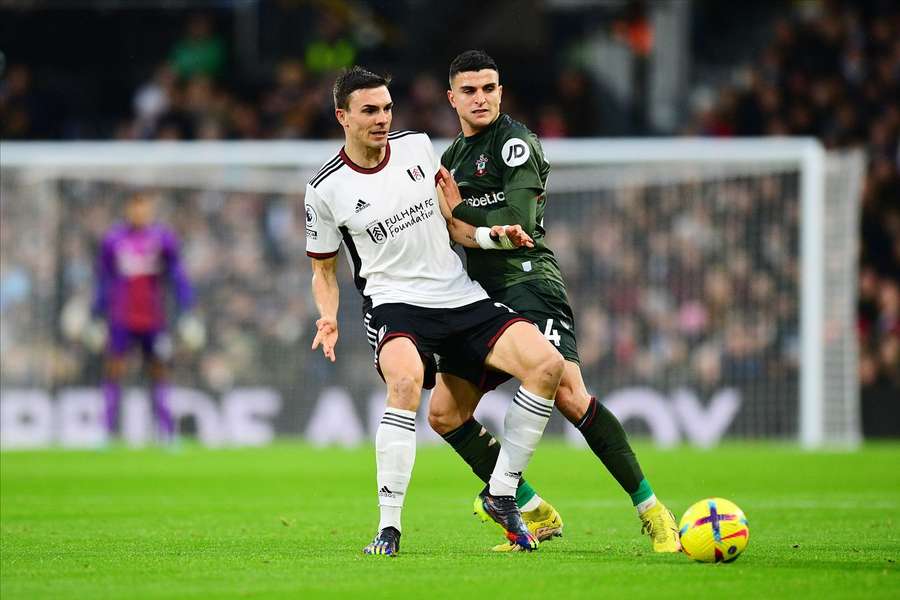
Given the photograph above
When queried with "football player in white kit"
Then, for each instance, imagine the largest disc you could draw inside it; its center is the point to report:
(378, 198)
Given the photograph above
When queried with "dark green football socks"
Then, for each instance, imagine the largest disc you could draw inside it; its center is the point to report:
(600, 428)
(475, 444)
(608, 440)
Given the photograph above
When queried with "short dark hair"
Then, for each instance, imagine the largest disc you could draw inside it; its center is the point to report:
(356, 78)
(472, 60)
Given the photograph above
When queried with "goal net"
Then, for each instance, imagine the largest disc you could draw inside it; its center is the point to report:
(713, 284)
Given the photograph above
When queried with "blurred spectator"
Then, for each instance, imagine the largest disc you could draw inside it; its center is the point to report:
(425, 108)
(287, 110)
(16, 104)
(332, 49)
(201, 51)
(577, 103)
(26, 112)
(153, 99)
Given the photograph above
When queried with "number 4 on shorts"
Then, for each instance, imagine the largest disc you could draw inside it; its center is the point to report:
(551, 334)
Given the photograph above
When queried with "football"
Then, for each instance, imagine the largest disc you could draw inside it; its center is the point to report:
(714, 530)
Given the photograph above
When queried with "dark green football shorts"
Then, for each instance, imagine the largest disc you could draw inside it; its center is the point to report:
(545, 304)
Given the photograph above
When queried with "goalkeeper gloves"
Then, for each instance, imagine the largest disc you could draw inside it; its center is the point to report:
(95, 334)
(191, 332)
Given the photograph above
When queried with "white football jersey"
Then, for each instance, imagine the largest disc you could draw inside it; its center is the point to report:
(390, 223)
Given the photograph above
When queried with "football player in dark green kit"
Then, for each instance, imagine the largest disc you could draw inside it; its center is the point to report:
(501, 174)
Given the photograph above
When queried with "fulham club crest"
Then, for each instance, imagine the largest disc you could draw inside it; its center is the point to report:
(481, 165)
(416, 173)
(377, 232)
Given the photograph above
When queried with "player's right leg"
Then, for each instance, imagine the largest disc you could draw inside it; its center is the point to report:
(395, 440)
(451, 414)
(114, 365)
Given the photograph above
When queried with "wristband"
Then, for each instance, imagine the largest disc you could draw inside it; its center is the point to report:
(483, 237)
(487, 242)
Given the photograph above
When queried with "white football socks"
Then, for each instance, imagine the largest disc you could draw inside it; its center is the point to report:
(523, 427)
(395, 454)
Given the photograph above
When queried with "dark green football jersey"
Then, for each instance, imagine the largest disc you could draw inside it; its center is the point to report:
(502, 177)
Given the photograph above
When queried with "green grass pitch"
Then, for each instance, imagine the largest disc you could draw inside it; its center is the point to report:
(288, 521)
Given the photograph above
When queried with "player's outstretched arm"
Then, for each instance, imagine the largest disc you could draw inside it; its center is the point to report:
(521, 207)
(181, 285)
(497, 237)
(326, 294)
(191, 330)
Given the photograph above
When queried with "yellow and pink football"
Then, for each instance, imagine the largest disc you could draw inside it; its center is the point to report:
(714, 530)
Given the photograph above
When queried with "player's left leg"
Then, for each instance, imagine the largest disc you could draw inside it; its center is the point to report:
(523, 353)
(607, 439)
(113, 371)
(159, 396)
(118, 342)
(451, 410)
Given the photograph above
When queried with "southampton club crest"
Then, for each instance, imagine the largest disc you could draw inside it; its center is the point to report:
(481, 165)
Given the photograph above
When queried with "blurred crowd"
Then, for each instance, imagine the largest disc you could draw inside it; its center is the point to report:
(692, 284)
(834, 73)
(191, 94)
(667, 290)
(663, 293)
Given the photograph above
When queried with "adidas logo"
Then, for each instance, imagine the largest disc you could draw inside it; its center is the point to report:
(361, 205)
(514, 474)
(386, 493)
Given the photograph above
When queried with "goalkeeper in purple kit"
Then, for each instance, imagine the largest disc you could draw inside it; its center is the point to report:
(139, 258)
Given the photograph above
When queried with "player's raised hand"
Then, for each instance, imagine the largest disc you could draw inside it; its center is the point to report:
(449, 188)
(515, 233)
(327, 336)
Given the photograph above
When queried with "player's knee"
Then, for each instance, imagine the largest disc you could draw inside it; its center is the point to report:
(444, 419)
(551, 367)
(544, 372)
(441, 421)
(404, 392)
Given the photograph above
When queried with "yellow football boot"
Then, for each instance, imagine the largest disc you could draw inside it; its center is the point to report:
(544, 522)
(659, 523)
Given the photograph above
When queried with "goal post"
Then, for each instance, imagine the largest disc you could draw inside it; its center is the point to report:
(737, 256)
